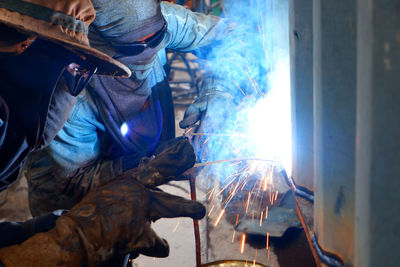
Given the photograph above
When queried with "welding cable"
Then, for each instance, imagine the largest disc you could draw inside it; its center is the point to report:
(298, 191)
(327, 258)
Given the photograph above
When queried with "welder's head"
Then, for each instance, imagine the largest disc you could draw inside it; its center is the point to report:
(119, 17)
(134, 28)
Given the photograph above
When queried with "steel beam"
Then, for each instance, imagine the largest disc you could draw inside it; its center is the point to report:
(377, 241)
(334, 125)
(301, 83)
(301, 72)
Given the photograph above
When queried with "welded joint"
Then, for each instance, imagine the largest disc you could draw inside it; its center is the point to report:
(329, 259)
(298, 191)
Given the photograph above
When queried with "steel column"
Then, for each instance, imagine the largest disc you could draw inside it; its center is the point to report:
(334, 125)
(301, 83)
(301, 72)
(377, 235)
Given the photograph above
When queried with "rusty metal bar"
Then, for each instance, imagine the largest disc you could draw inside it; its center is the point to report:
(192, 182)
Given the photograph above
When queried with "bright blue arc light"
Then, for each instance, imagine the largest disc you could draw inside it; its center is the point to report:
(124, 129)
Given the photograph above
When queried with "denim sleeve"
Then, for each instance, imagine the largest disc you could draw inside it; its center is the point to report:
(77, 144)
(191, 31)
(232, 63)
(72, 164)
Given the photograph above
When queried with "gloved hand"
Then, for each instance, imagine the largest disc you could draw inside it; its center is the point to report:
(216, 101)
(171, 160)
(214, 111)
(106, 224)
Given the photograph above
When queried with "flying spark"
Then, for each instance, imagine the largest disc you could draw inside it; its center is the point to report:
(219, 217)
(243, 242)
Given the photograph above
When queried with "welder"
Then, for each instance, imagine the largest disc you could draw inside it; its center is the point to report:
(45, 61)
(117, 121)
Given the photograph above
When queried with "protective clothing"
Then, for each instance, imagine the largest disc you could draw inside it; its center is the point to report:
(175, 158)
(214, 112)
(107, 223)
(28, 28)
(64, 22)
(46, 101)
(171, 160)
(209, 100)
(91, 141)
(117, 18)
(131, 101)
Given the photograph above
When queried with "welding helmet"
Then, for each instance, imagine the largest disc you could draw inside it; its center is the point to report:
(135, 30)
(64, 22)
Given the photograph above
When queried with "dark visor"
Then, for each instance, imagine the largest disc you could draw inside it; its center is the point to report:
(136, 48)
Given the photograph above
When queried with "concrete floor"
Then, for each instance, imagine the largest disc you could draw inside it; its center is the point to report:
(289, 251)
(217, 242)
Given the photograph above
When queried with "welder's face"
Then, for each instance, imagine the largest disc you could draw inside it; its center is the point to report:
(143, 52)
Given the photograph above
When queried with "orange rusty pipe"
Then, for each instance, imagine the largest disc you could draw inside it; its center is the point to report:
(192, 182)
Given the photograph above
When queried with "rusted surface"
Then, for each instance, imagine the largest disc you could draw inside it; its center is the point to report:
(305, 211)
(195, 223)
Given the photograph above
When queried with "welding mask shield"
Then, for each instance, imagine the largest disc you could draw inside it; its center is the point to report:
(45, 64)
(30, 79)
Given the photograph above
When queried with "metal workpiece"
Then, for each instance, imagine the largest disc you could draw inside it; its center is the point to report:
(301, 83)
(377, 231)
(301, 76)
(334, 125)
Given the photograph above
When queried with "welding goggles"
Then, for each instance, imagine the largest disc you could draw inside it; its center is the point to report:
(49, 63)
(138, 47)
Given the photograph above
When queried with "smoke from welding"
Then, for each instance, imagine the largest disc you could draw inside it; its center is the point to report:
(257, 67)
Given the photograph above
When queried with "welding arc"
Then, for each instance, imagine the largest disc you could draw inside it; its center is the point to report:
(202, 164)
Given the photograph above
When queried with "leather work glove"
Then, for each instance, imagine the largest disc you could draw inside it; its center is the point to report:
(171, 160)
(214, 110)
(217, 101)
(106, 224)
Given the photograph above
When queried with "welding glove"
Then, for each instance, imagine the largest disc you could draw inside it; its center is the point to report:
(106, 224)
(218, 102)
(214, 110)
(168, 162)
(171, 159)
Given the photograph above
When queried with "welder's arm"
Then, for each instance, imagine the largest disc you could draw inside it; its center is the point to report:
(228, 47)
(75, 153)
(169, 162)
(228, 53)
(110, 222)
(75, 161)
